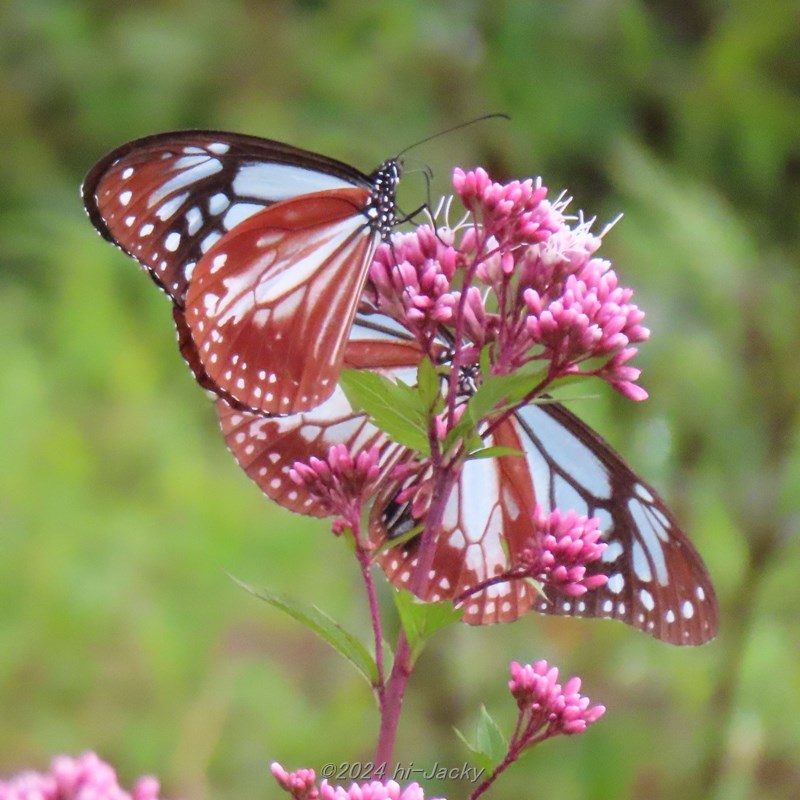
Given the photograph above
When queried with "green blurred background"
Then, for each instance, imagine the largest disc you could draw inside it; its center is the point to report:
(121, 510)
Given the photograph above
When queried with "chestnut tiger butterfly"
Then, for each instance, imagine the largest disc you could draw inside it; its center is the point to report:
(262, 247)
(657, 580)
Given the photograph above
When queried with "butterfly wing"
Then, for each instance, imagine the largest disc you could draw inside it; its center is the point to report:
(271, 304)
(267, 447)
(487, 522)
(657, 581)
(166, 199)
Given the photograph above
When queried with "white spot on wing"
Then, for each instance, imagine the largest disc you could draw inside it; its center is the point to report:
(239, 213)
(173, 241)
(218, 203)
(641, 567)
(612, 552)
(616, 583)
(195, 174)
(218, 263)
(210, 241)
(194, 220)
(171, 206)
(273, 182)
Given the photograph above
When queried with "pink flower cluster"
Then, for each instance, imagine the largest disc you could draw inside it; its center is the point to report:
(86, 777)
(301, 785)
(588, 317)
(412, 276)
(340, 482)
(546, 708)
(515, 274)
(514, 211)
(566, 543)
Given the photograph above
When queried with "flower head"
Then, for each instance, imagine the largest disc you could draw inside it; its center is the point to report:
(301, 784)
(590, 317)
(547, 708)
(514, 213)
(86, 776)
(565, 544)
(411, 277)
(340, 482)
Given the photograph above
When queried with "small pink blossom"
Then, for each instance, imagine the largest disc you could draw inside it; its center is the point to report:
(86, 777)
(622, 377)
(546, 708)
(565, 545)
(340, 482)
(440, 421)
(514, 213)
(411, 278)
(301, 784)
(480, 325)
(589, 317)
(374, 790)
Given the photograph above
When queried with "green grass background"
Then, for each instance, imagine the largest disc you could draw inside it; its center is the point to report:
(121, 511)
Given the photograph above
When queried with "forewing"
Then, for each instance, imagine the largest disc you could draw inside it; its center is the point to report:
(166, 199)
(657, 580)
(271, 305)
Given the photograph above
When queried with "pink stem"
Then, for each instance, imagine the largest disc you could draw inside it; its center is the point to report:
(393, 700)
(365, 562)
(402, 668)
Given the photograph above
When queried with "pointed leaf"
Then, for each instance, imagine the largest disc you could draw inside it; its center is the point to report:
(422, 620)
(395, 408)
(490, 740)
(496, 451)
(464, 430)
(323, 626)
(428, 383)
(482, 759)
(502, 390)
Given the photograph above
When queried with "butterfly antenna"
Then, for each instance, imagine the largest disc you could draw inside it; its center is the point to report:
(496, 115)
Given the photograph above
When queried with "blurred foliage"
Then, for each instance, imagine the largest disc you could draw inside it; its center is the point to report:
(121, 510)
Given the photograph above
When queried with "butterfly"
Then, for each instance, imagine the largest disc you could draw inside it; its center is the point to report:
(262, 247)
(657, 581)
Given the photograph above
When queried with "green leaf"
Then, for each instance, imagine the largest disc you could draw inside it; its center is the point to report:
(482, 760)
(395, 408)
(428, 384)
(484, 360)
(323, 626)
(464, 430)
(495, 451)
(490, 746)
(422, 620)
(490, 740)
(498, 391)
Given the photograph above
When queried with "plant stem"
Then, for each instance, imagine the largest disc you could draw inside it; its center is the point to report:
(365, 562)
(393, 700)
(402, 668)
